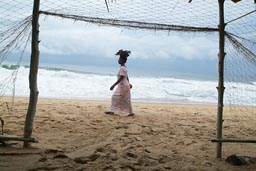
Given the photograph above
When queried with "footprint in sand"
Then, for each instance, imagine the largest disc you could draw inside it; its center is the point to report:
(132, 155)
(108, 168)
(127, 168)
(122, 127)
(86, 159)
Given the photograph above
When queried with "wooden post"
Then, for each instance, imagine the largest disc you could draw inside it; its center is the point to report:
(220, 87)
(233, 140)
(33, 74)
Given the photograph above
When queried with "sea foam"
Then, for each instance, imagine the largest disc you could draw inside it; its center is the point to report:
(61, 83)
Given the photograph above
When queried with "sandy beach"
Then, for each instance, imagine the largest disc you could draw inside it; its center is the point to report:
(76, 135)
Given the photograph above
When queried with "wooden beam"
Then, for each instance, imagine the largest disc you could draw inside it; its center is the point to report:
(132, 24)
(34, 60)
(220, 87)
(16, 138)
(234, 140)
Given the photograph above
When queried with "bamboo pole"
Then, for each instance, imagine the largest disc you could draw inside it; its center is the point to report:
(220, 87)
(235, 140)
(16, 138)
(132, 24)
(33, 74)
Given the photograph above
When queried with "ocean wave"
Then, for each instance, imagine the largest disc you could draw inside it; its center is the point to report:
(62, 83)
(10, 67)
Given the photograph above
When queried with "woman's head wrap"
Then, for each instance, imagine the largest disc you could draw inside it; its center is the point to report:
(124, 53)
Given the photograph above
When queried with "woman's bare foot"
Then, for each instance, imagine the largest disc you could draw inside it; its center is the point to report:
(109, 113)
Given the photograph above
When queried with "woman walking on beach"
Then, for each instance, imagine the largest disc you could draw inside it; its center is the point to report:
(121, 98)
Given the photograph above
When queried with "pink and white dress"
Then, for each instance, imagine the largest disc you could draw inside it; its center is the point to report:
(121, 99)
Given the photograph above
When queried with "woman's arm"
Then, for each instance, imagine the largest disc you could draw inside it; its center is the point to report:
(129, 83)
(117, 82)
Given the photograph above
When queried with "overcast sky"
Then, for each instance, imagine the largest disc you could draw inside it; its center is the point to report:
(64, 37)
(66, 41)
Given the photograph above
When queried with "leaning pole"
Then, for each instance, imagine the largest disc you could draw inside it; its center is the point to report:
(220, 87)
(34, 61)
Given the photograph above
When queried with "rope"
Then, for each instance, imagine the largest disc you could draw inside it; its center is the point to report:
(244, 50)
(241, 16)
(132, 24)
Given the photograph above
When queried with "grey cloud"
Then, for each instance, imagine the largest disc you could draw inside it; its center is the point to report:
(66, 37)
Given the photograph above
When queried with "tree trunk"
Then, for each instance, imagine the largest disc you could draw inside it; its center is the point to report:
(33, 74)
(220, 87)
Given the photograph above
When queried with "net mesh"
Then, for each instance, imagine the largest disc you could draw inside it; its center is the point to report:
(176, 15)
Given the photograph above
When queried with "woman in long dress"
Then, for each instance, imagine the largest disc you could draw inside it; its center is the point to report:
(121, 98)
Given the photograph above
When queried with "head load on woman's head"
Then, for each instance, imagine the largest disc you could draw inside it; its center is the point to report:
(123, 54)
